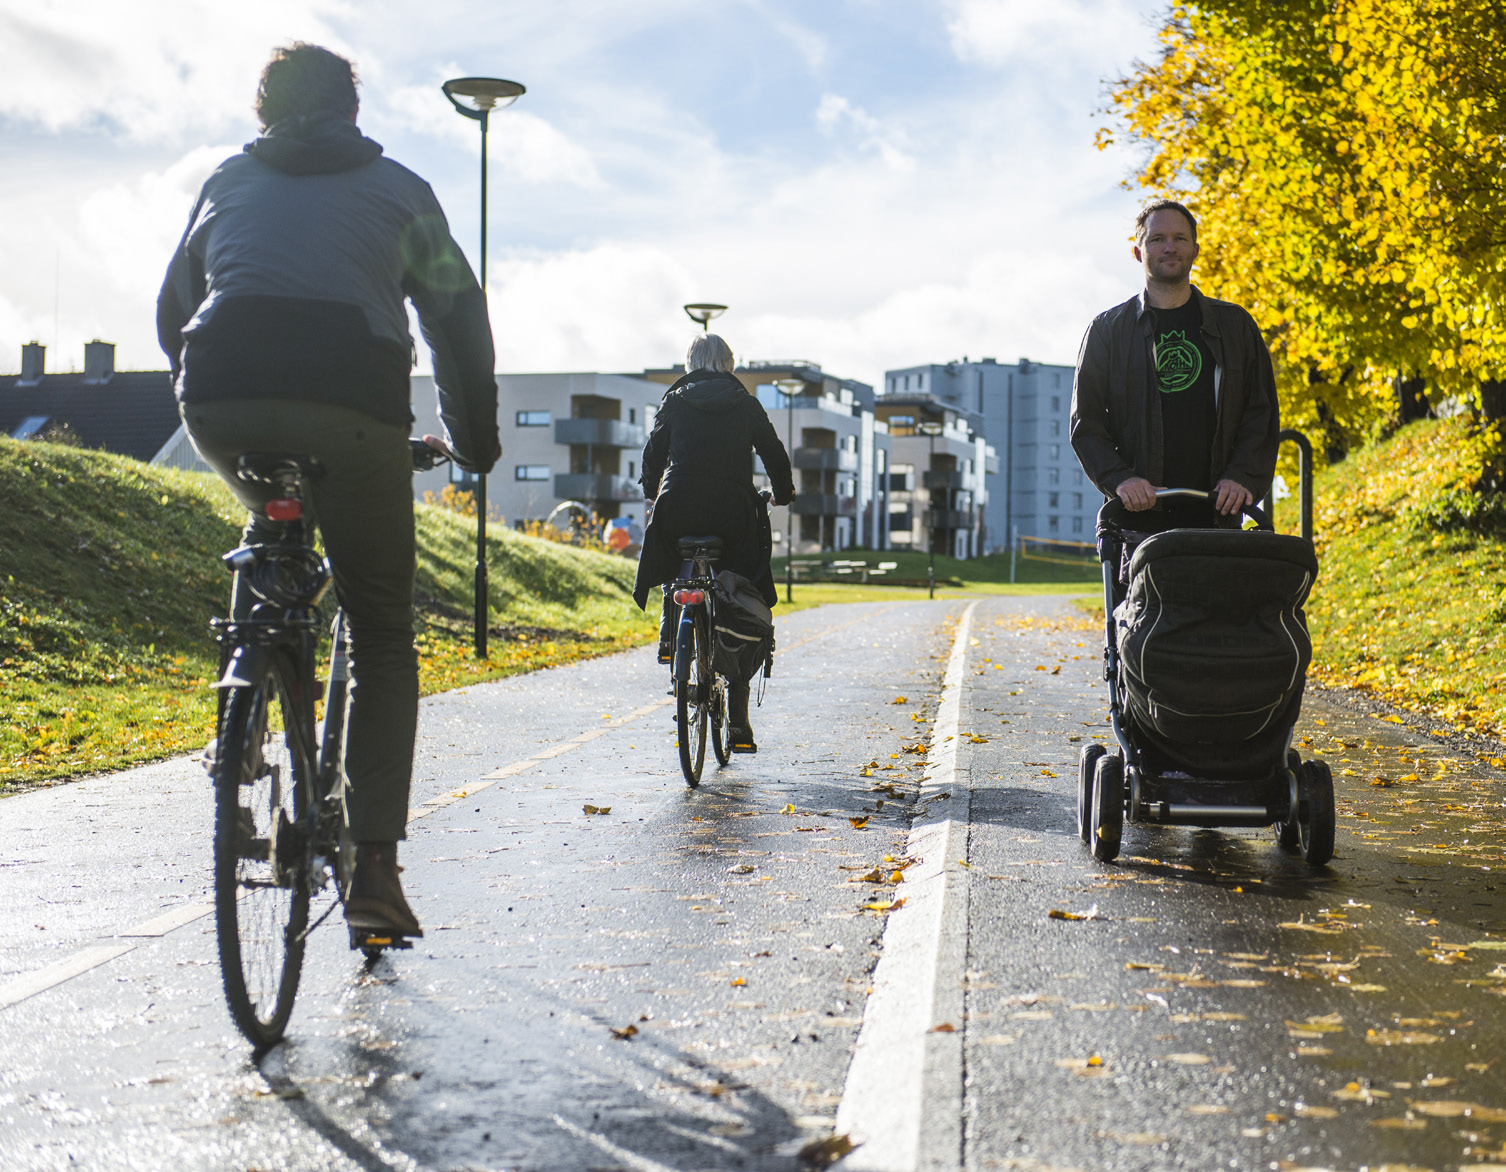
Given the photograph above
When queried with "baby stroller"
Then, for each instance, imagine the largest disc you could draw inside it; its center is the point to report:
(1205, 653)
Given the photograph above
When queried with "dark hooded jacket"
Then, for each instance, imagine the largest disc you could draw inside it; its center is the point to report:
(698, 468)
(290, 280)
(1116, 413)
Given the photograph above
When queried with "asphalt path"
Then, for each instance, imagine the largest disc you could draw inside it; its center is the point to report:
(709, 978)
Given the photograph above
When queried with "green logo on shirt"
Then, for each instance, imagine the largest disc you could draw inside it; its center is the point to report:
(1178, 362)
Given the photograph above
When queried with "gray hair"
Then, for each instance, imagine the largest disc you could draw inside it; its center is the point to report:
(709, 352)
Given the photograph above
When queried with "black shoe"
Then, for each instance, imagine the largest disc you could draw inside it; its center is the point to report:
(666, 651)
(375, 902)
(740, 739)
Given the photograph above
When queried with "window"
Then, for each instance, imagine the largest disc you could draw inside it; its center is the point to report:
(1076, 524)
(632, 473)
(1053, 475)
(531, 419)
(530, 472)
(1053, 499)
(1053, 525)
(1056, 400)
(1077, 476)
(1056, 427)
(1056, 451)
(632, 415)
(1077, 500)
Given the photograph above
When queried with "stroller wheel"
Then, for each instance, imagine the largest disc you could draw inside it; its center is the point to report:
(1108, 808)
(1086, 763)
(1316, 813)
(1288, 833)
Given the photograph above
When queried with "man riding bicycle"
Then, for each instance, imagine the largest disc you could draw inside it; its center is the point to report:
(283, 316)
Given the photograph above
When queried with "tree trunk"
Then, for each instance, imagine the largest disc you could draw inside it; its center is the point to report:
(1493, 399)
(1411, 401)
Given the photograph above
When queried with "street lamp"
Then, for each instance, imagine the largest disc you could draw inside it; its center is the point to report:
(932, 430)
(790, 387)
(482, 95)
(701, 312)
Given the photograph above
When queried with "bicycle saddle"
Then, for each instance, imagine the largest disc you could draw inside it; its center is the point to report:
(276, 468)
(690, 546)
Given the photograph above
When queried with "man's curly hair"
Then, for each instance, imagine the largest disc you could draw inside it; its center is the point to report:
(305, 79)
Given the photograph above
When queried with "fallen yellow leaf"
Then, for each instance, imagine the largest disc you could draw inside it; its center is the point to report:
(590, 809)
(858, 823)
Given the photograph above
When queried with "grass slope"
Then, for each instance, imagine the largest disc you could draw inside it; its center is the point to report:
(1410, 605)
(110, 571)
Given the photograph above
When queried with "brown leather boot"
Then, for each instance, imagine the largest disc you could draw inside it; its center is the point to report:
(375, 902)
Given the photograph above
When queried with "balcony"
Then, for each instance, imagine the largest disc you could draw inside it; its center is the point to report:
(944, 479)
(824, 504)
(948, 519)
(585, 486)
(599, 433)
(825, 459)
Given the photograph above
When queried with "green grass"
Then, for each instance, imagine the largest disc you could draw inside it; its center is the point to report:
(990, 575)
(1410, 602)
(110, 572)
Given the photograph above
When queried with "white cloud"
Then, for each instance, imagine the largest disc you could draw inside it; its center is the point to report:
(996, 32)
(836, 114)
(521, 144)
(148, 71)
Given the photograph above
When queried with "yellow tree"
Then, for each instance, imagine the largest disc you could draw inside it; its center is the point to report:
(1347, 161)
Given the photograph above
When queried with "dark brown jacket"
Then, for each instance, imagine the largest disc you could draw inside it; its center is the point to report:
(1116, 413)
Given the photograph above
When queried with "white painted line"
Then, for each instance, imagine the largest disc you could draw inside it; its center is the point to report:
(63, 970)
(903, 1099)
(168, 921)
(509, 770)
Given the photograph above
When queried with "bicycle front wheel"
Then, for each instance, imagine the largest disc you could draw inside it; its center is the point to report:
(693, 695)
(262, 781)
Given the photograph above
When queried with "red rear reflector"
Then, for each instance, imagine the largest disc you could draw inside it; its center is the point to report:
(284, 509)
(689, 597)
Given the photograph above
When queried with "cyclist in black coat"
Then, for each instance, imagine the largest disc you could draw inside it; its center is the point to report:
(698, 471)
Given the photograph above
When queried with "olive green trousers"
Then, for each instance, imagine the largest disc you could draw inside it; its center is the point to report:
(363, 504)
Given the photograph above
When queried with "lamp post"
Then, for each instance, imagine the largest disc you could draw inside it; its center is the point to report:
(701, 312)
(790, 387)
(931, 430)
(482, 95)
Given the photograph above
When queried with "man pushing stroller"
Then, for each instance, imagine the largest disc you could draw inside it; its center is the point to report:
(1174, 389)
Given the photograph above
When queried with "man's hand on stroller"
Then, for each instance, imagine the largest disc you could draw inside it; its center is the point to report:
(1230, 497)
(1137, 493)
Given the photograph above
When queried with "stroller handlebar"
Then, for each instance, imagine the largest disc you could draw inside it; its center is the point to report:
(1115, 513)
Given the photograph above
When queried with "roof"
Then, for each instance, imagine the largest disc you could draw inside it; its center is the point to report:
(133, 412)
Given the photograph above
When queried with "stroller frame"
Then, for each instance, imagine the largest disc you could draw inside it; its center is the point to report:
(1295, 797)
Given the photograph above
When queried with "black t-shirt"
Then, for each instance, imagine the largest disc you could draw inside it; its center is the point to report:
(1184, 376)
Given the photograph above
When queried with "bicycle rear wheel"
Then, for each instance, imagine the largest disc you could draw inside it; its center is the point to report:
(262, 783)
(692, 695)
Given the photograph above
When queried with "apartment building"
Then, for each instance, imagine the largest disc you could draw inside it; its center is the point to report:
(565, 437)
(938, 491)
(1035, 487)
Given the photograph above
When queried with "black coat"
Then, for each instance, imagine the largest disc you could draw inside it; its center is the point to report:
(698, 469)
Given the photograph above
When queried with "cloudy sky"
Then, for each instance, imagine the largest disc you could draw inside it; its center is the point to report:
(867, 183)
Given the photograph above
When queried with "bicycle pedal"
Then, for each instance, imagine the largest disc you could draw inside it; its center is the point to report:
(365, 939)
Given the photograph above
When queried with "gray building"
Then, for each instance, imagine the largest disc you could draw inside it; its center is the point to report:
(1037, 488)
(938, 490)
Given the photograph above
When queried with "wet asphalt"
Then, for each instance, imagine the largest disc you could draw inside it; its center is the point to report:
(679, 983)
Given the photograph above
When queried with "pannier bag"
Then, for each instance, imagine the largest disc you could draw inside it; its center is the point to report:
(743, 641)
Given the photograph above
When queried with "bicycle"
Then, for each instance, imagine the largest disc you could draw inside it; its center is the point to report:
(700, 692)
(281, 831)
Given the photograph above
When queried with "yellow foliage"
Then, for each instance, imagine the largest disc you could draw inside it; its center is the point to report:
(1347, 162)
